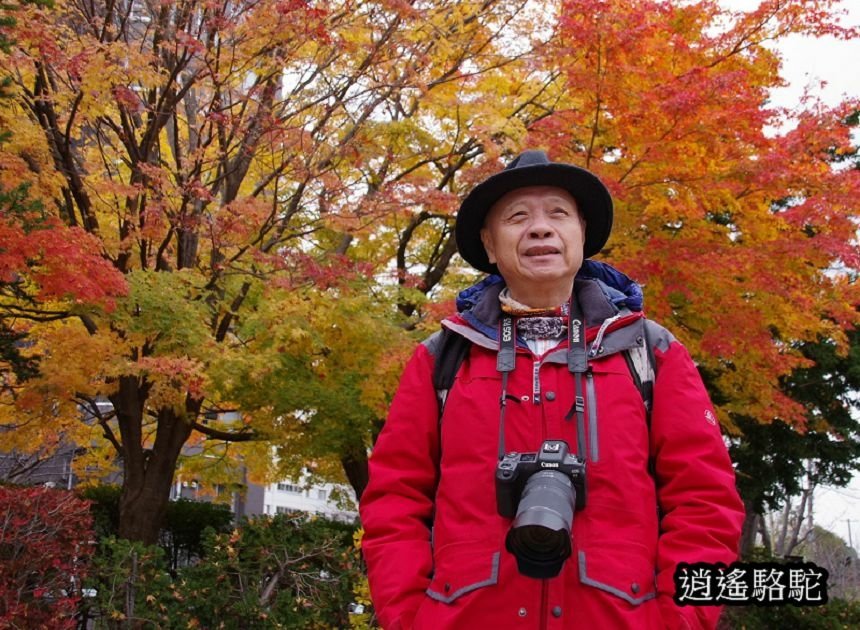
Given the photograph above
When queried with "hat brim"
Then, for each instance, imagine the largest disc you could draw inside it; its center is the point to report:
(592, 199)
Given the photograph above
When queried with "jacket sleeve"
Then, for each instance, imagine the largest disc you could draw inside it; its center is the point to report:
(397, 506)
(701, 511)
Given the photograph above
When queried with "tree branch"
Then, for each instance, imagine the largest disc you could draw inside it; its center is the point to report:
(227, 436)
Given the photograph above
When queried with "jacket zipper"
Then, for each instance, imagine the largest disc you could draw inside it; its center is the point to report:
(544, 603)
(591, 405)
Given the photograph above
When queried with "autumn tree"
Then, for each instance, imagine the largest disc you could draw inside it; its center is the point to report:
(779, 466)
(270, 189)
(247, 173)
(728, 208)
(36, 252)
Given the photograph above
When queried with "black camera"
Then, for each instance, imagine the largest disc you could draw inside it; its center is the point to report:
(540, 491)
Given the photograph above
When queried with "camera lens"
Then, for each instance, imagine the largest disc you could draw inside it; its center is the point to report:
(540, 535)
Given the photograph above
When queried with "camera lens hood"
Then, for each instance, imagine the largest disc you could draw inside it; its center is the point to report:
(539, 537)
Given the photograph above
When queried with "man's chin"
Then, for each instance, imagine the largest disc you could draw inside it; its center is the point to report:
(554, 260)
(549, 274)
(553, 265)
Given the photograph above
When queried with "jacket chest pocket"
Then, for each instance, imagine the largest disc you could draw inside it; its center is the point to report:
(460, 569)
(623, 570)
(614, 411)
(470, 420)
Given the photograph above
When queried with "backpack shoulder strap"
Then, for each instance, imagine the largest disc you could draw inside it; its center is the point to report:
(643, 366)
(449, 350)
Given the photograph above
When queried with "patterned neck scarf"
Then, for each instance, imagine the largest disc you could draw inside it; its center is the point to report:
(536, 323)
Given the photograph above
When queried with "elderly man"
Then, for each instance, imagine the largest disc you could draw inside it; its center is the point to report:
(574, 461)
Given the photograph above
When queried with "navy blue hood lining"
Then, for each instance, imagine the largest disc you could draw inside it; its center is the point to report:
(601, 290)
(618, 288)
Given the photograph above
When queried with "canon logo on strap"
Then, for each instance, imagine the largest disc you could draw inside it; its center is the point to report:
(576, 325)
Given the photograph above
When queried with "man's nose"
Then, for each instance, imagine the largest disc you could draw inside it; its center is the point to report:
(540, 226)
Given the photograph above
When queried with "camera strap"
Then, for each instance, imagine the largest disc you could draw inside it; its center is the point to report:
(506, 360)
(577, 363)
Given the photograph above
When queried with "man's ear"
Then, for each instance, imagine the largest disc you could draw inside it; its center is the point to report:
(487, 240)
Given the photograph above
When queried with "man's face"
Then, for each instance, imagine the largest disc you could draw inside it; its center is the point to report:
(535, 235)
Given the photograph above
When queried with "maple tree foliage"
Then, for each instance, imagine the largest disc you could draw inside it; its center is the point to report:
(41, 259)
(45, 546)
(248, 172)
(728, 209)
(328, 386)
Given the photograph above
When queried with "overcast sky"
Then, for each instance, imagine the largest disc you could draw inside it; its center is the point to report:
(807, 61)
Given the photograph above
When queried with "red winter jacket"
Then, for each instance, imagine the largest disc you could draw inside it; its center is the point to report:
(433, 540)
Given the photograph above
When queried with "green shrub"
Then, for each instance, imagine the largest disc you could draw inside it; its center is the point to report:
(182, 533)
(287, 571)
(274, 572)
(837, 614)
(130, 587)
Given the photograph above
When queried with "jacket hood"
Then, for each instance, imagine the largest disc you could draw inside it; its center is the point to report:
(617, 287)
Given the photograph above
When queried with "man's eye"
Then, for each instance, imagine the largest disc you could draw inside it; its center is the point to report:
(561, 212)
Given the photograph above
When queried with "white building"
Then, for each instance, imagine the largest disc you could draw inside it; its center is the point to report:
(327, 500)
(333, 501)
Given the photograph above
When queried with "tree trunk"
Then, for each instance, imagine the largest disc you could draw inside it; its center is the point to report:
(765, 536)
(148, 467)
(779, 549)
(355, 468)
(142, 508)
(748, 530)
(798, 523)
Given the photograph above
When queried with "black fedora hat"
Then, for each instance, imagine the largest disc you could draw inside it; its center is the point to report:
(533, 168)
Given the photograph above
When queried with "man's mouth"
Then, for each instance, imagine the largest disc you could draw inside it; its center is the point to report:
(542, 250)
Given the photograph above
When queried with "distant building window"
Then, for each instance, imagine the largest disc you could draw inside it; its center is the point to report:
(288, 487)
(322, 495)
